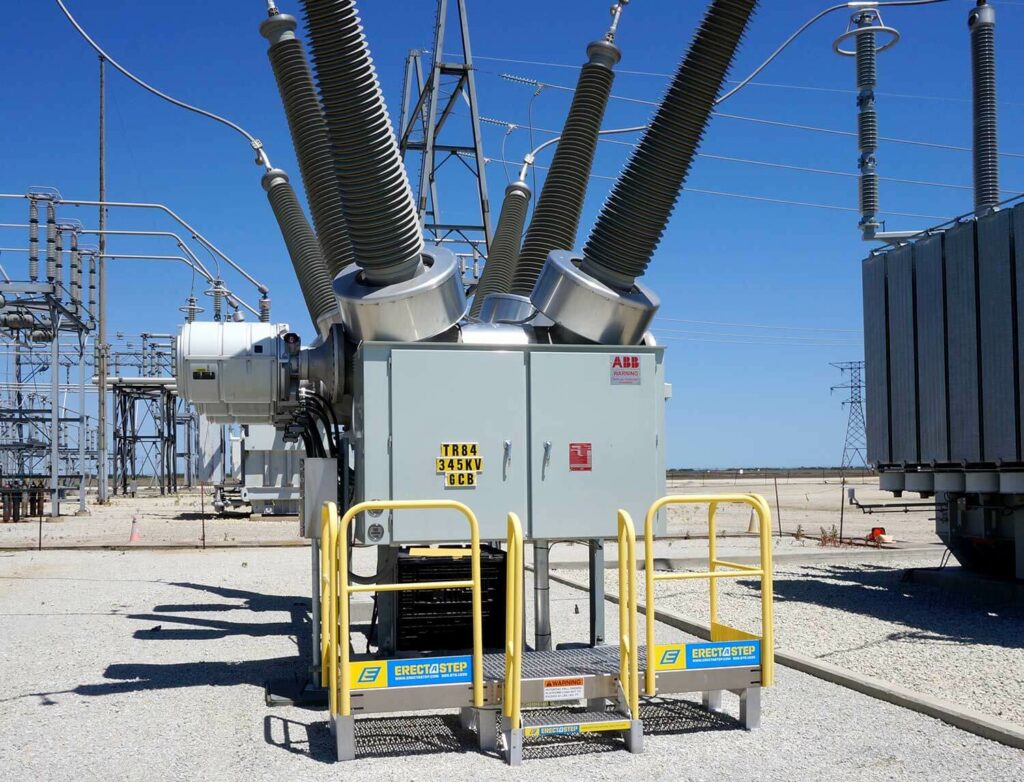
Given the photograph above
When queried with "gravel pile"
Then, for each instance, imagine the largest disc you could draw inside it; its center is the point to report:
(149, 665)
(867, 618)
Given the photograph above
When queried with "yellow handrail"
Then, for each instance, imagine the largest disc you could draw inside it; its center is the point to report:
(511, 704)
(764, 514)
(339, 657)
(328, 593)
(629, 666)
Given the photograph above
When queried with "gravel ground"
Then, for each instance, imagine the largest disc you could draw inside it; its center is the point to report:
(864, 617)
(149, 665)
(175, 520)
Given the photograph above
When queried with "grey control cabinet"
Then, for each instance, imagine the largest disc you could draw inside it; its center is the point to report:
(562, 435)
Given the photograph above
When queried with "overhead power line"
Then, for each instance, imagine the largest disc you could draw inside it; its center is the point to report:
(758, 325)
(772, 122)
(749, 197)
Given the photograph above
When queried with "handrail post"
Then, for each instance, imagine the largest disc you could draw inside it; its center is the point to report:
(650, 677)
(511, 707)
(767, 598)
(712, 560)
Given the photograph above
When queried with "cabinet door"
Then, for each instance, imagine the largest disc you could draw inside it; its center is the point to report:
(460, 397)
(593, 441)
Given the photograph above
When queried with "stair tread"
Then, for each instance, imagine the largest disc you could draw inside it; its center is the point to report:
(535, 719)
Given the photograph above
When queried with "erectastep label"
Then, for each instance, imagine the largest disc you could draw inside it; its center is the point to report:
(716, 654)
(412, 672)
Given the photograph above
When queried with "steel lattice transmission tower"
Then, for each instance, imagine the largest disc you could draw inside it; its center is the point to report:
(855, 449)
(431, 126)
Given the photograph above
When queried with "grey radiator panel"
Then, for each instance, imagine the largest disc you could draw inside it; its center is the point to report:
(876, 369)
(998, 360)
(930, 286)
(962, 322)
(899, 272)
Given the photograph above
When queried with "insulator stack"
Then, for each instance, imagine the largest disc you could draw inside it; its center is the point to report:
(303, 248)
(982, 24)
(76, 274)
(632, 220)
(264, 309)
(556, 217)
(92, 287)
(51, 240)
(376, 197)
(58, 249)
(312, 144)
(867, 120)
(218, 299)
(33, 240)
(504, 246)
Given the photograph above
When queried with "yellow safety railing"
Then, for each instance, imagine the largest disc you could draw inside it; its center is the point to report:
(328, 588)
(719, 632)
(512, 702)
(629, 665)
(338, 654)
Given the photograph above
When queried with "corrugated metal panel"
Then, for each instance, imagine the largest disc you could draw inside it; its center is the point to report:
(998, 359)
(1018, 252)
(899, 273)
(962, 324)
(876, 370)
(929, 287)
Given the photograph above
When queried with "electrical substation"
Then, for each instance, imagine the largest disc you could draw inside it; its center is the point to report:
(462, 394)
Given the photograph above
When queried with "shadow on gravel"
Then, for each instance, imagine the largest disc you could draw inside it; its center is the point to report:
(663, 716)
(169, 624)
(376, 737)
(931, 613)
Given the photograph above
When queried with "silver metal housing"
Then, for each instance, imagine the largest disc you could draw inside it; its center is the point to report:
(583, 305)
(410, 311)
(506, 308)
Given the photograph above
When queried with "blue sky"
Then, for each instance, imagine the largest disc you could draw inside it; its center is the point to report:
(742, 395)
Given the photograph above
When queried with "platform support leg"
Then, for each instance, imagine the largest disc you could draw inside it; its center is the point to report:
(634, 737)
(596, 562)
(712, 700)
(345, 737)
(514, 746)
(466, 717)
(750, 708)
(541, 597)
(486, 720)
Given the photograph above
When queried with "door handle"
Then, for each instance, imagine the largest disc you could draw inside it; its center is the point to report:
(507, 460)
(547, 459)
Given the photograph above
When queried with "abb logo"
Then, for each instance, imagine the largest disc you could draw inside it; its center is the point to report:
(625, 370)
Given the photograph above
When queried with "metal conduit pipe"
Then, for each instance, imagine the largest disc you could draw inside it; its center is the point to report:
(556, 217)
(33, 240)
(632, 220)
(303, 249)
(982, 23)
(504, 246)
(309, 137)
(377, 200)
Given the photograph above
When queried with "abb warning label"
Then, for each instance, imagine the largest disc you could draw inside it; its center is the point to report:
(567, 689)
(579, 457)
(625, 370)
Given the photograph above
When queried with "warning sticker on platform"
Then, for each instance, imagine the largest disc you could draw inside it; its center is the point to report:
(459, 464)
(625, 370)
(567, 688)
(580, 457)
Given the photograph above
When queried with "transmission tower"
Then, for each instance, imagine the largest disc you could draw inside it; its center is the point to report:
(431, 126)
(855, 447)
